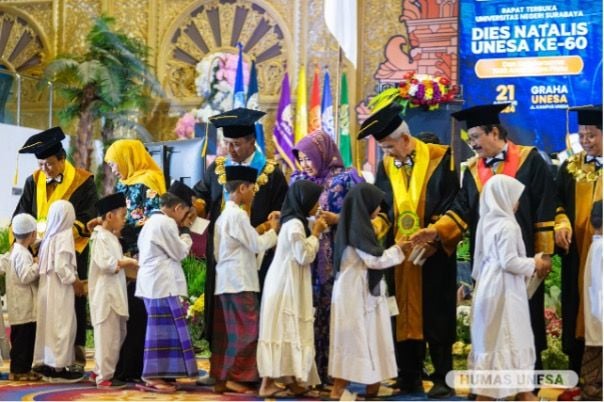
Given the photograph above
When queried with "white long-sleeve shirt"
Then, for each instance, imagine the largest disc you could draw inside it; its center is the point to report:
(161, 251)
(106, 287)
(235, 244)
(21, 286)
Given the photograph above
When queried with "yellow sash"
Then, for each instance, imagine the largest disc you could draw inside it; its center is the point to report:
(407, 196)
(42, 201)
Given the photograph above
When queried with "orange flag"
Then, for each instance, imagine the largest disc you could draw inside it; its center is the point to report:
(314, 116)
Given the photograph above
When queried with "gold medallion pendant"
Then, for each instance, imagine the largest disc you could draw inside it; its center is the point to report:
(408, 223)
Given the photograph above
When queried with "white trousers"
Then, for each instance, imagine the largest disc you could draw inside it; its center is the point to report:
(109, 335)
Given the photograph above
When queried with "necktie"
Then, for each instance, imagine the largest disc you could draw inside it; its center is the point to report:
(500, 157)
(58, 179)
(594, 160)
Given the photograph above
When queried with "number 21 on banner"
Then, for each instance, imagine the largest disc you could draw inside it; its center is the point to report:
(507, 93)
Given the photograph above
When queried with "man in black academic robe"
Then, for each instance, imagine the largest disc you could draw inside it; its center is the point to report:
(58, 179)
(579, 185)
(239, 137)
(535, 214)
(425, 293)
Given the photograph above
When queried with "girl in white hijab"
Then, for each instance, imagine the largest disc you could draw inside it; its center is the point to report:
(56, 320)
(502, 338)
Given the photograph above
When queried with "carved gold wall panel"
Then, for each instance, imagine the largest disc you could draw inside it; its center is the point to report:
(206, 27)
(287, 34)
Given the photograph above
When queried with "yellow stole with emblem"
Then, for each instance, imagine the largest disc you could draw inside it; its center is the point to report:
(409, 196)
(63, 191)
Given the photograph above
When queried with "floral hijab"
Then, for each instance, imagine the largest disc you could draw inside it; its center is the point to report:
(136, 165)
(321, 149)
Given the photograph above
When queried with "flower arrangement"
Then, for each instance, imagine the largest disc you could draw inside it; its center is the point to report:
(417, 90)
(185, 126)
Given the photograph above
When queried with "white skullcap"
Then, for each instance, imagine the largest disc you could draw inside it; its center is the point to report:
(24, 224)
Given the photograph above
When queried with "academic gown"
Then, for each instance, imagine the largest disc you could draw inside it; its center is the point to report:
(535, 213)
(575, 200)
(81, 192)
(426, 296)
(268, 198)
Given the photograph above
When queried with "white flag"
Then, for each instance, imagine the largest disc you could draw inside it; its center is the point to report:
(341, 20)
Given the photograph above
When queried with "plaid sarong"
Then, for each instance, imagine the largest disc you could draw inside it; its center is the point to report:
(235, 337)
(168, 349)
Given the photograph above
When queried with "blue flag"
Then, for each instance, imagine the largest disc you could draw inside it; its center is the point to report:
(252, 103)
(327, 108)
(239, 90)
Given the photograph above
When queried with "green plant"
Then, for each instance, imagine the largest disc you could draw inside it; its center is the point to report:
(463, 249)
(104, 86)
(553, 285)
(195, 273)
(553, 357)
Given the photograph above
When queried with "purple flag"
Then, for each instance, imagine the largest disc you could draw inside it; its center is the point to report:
(283, 133)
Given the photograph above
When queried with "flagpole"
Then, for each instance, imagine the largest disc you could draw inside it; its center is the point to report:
(337, 102)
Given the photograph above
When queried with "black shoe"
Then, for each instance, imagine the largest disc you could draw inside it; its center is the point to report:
(43, 370)
(410, 387)
(63, 376)
(440, 391)
(76, 368)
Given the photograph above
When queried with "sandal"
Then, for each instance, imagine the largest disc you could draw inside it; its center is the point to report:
(31, 376)
(158, 388)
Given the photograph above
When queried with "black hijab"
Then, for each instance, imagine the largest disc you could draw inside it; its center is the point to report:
(301, 197)
(355, 229)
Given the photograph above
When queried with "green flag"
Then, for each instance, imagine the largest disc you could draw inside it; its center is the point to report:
(344, 123)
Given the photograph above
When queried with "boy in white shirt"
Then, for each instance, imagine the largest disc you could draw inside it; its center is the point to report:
(236, 313)
(107, 290)
(21, 294)
(160, 283)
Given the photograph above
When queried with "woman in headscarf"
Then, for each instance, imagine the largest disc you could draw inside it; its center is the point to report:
(286, 340)
(502, 338)
(142, 182)
(321, 163)
(361, 344)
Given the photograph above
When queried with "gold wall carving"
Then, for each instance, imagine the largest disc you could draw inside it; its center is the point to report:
(62, 26)
(195, 33)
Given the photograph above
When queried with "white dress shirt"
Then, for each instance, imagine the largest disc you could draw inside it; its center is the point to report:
(161, 251)
(106, 287)
(235, 244)
(21, 286)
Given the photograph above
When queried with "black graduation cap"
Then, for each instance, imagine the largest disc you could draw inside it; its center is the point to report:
(110, 202)
(480, 115)
(44, 144)
(182, 191)
(243, 173)
(588, 115)
(238, 122)
(382, 123)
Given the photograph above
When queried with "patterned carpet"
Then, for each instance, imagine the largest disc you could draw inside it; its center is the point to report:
(187, 391)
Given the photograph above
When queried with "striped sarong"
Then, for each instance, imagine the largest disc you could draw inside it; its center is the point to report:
(235, 337)
(168, 349)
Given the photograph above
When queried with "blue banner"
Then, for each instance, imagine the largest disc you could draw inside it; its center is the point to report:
(542, 58)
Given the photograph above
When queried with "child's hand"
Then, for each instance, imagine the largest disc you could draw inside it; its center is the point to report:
(406, 246)
(543, 265)
(91, 224)
(127, 262)
(329, 217)
(78, 288)
(274, 214)
(319, 227)
(274, 222)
